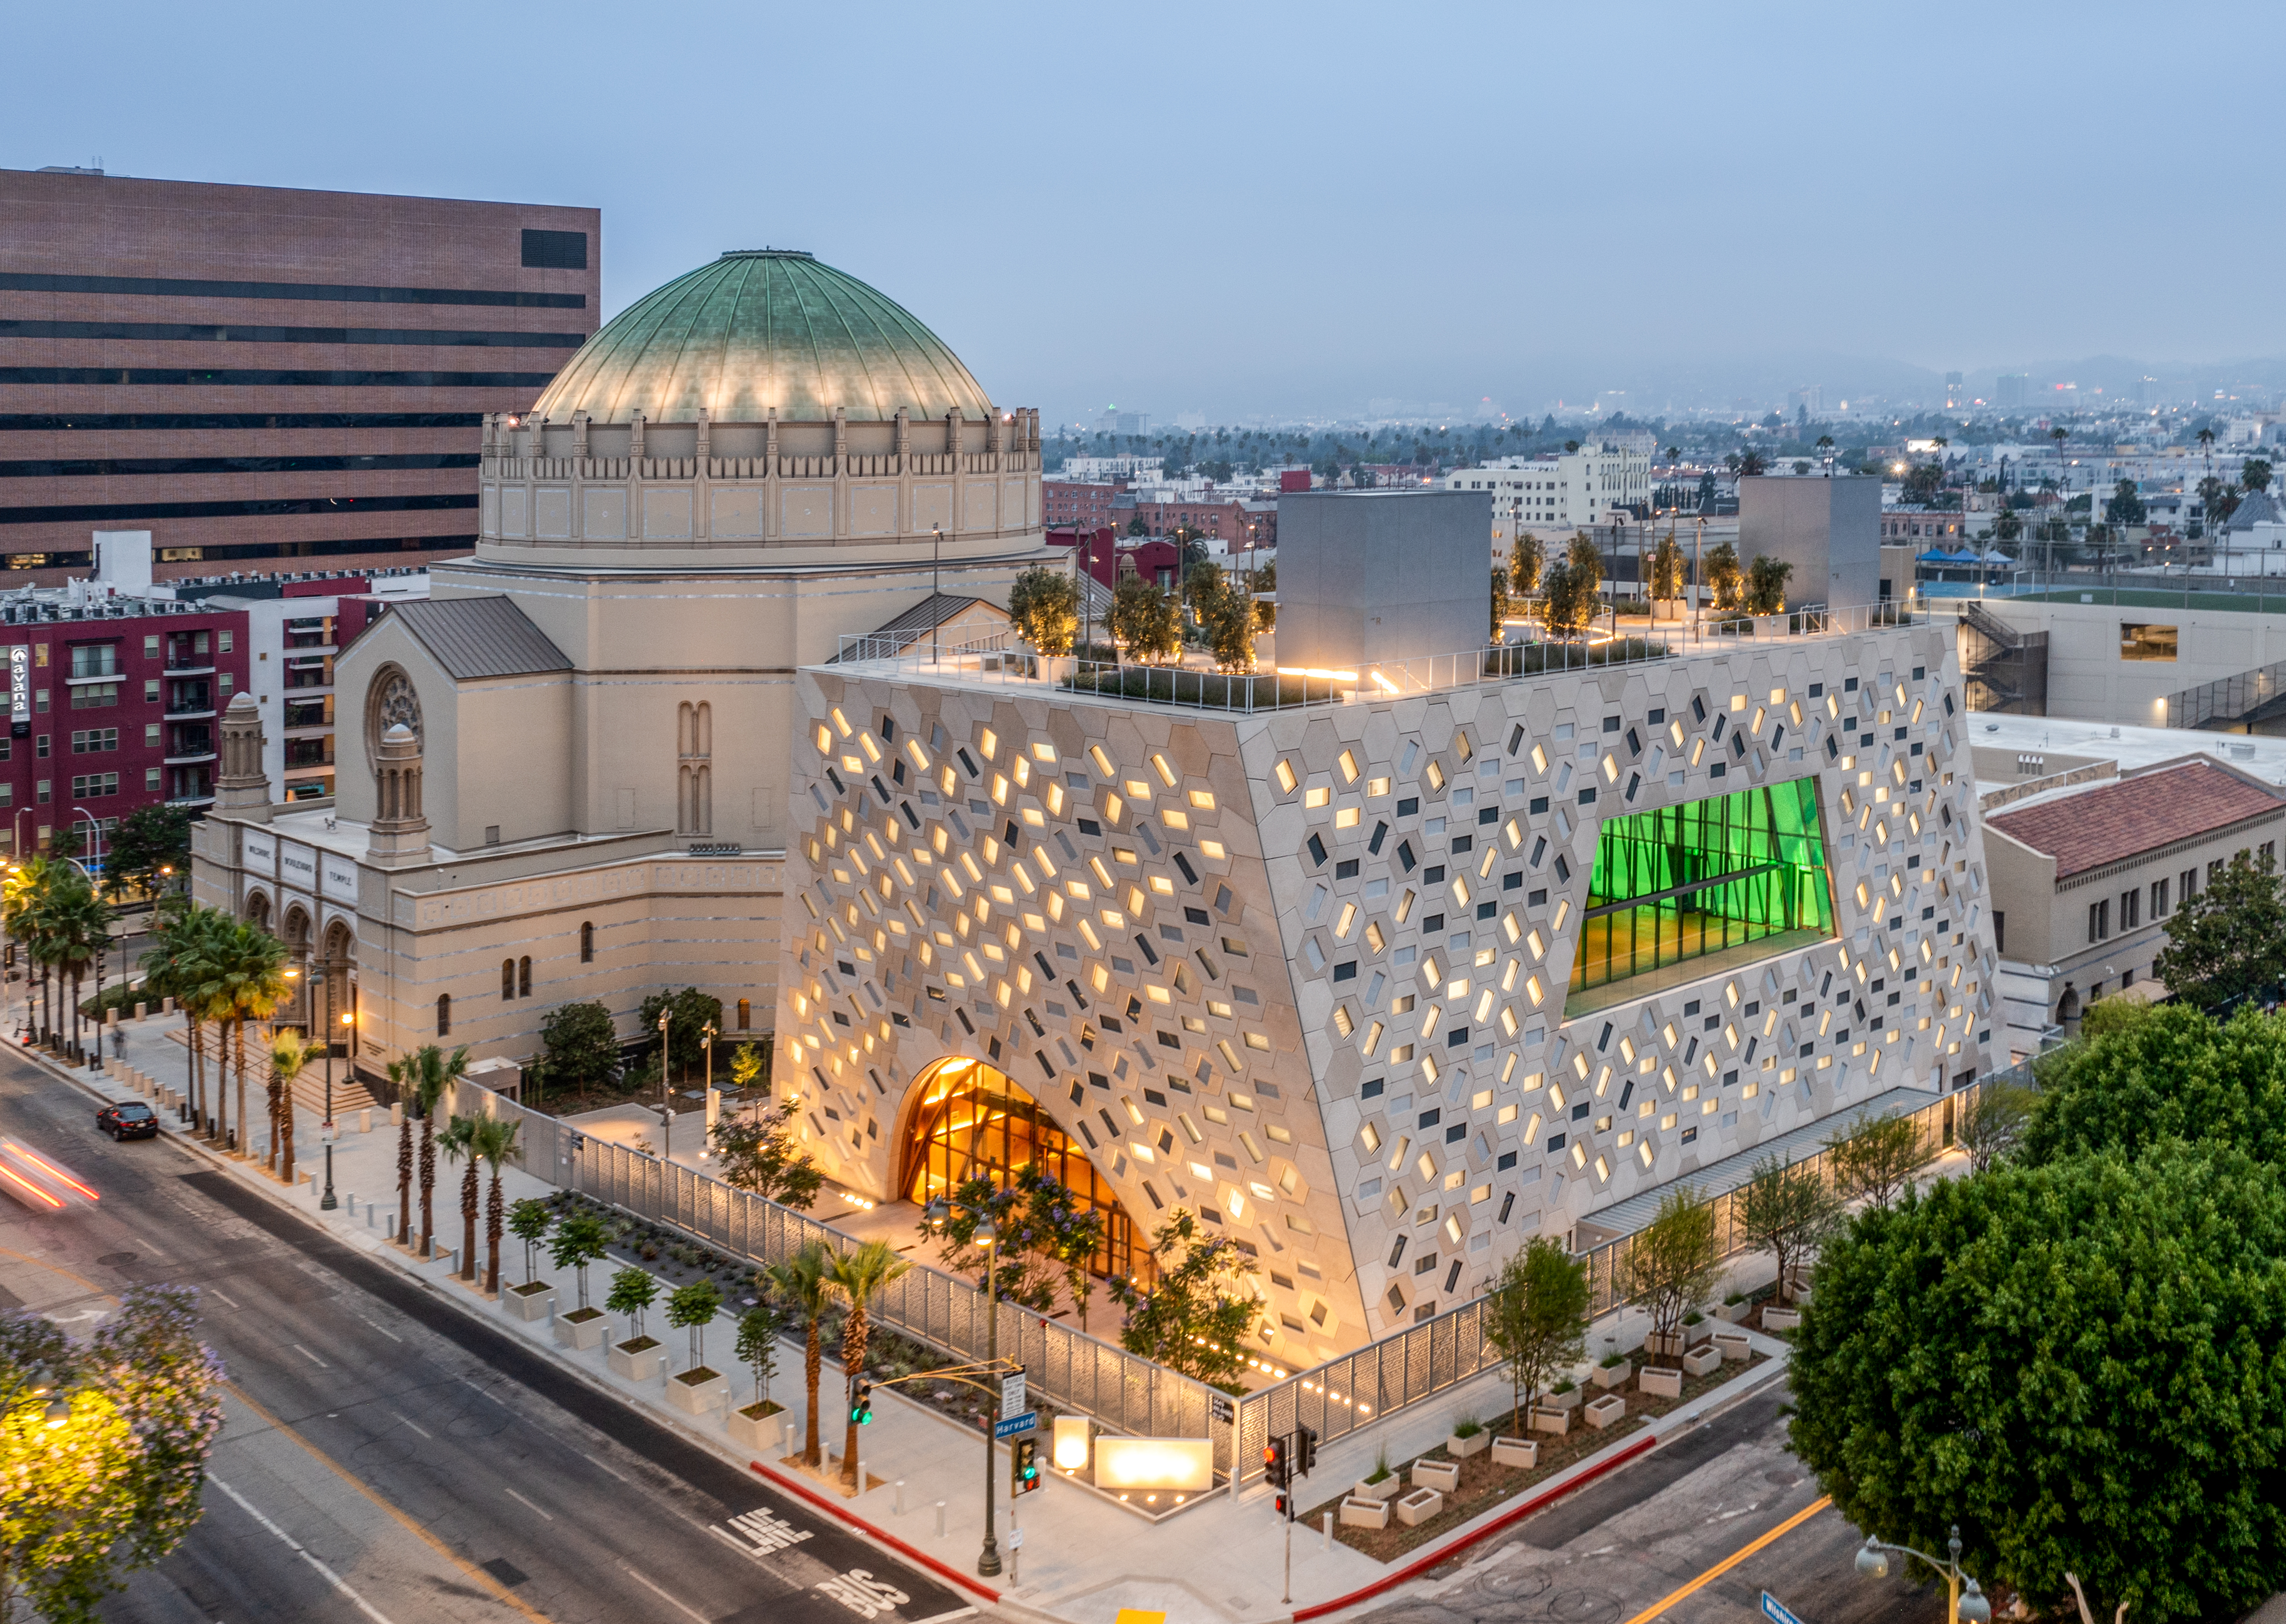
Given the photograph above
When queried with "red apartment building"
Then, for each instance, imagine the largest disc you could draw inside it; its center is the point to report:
(1236, 522)
(1069, 501)
(255, 373)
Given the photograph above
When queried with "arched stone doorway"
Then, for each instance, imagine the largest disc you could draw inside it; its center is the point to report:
(969, 1119)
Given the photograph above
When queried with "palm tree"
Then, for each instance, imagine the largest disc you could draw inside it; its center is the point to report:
(400, 1072)
(254, 973)
(803, 1283)
(289, 1056)
(23, 905)
(459, 1141)
(857, 1274)
(435, 1075)
(180, 966)
(80, 933)
(495, 1142)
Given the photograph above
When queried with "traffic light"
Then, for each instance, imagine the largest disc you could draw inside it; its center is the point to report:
(861, 1401)
(1278, 1468)
(1305, 1450)
(1023, 1465)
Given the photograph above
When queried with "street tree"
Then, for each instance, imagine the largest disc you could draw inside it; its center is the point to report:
(1226, 617)
(688, 1012)
(1787, 1210)
(1670, 1266)
(1526, 558)
(1878, 1159)
(289, 1058)
(2077, 1364)
(103, 1445)
(151, 849)
(458, 1142)
(527, 1221)
(1044, 607)
(633, 1291)
(1200, 1307)
(2254, 476)
(1062, 1230)
(750, 1065)
(2172, 1074)
(2126, 506)
(1500, 607)
(758, 1346)
(1666, 570)
(692, 1308)
(1536, 1318)
(762, 1154)
(493, 1142)
(580, 1240)
(1145, 621)
(2229, 940)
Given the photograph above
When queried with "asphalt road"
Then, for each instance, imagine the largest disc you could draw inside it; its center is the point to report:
(1618, 1551)
(389, 1457)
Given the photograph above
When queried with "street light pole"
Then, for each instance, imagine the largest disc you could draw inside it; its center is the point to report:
(987, 1234)
(326, 1203)
(1965, 1602)
(936, 586)
(666, 1097)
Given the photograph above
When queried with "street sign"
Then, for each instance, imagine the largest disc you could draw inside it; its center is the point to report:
(1220, 1405)
(1015, 1539)
(1012, 1394)
(1776, 1610)
(1009, 1427)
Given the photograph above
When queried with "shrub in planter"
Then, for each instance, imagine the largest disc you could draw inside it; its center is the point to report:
(1380, 1483)
(581, 1329)
(1614, 1372)
(1564, 1396)
(1468, 1438)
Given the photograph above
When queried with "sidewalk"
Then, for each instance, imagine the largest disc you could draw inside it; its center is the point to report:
(1084, 1558)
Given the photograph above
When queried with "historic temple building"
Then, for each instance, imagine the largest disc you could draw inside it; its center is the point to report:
(572, 773)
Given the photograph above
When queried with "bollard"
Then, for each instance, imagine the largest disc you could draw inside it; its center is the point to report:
(142, 1011)
(396, 1114)
(789, 1441)
(940, 1519)
(900, 1507)
(368, 1216)
(393, 1226)
(1326, 1543)
(365, 1120)
(167, 1007)
(352, 1201)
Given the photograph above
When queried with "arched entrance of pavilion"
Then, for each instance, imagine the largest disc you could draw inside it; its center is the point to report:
(969, 1120)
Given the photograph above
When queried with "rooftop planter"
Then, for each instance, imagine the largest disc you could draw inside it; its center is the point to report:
(581, 1329)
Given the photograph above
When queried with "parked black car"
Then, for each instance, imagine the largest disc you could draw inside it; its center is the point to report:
(131, 1121)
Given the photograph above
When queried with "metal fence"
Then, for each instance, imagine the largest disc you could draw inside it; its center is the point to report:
(1075, 1371)
(1122, 1391)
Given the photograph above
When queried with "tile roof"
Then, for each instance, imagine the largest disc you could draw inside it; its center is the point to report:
(896, 635)
(479, 637)
(2126, 817)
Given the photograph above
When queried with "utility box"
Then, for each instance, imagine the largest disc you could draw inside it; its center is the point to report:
(1366, 577)
(1830, 530)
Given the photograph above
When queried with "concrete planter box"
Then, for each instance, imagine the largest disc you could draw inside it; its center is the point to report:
(574, 1331)
(1523, 1452)
(1781, 1319)
(1660, 1383)
(1605, 1410)
(1558, 1421)
(1693, 1335)
(639, 1359)
(1460, 1448)
(1563, 1400)
(758, 1434)
(535, 1300)
(1419, 1506)
(1444, 1476)
(701, 1397)
(1735, 1313)
(1658, 1344)
(1608, 1376)
(1382, 1490)
(1699, 1361)
(1733, 1345)
(1358, 1512)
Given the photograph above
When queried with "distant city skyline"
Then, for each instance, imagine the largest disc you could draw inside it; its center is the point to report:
(1309, 210)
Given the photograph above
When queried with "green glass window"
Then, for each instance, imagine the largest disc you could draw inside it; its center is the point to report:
(1742, 876)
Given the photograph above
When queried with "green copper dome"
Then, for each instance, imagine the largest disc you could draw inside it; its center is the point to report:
(760, 328)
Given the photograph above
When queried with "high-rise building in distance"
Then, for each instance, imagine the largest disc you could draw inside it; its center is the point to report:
(256, 374)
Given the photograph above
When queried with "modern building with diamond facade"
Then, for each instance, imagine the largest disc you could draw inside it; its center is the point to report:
(1382, 987)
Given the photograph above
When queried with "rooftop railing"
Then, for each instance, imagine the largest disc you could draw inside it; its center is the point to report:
(999, 660)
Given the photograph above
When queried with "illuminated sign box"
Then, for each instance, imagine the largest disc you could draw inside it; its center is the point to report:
(1180, 1464)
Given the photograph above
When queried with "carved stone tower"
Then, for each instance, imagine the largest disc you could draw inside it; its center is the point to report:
(241, 782)
(399, 831)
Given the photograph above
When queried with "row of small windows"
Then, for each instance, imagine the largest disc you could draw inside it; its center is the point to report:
(106, 467)
(214, 332)
(516, 982)
(90, 512)
(107, 421)
(84, 786)
(314, 378)
(329, 293)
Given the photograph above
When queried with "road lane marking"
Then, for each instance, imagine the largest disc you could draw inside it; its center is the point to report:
(947, 1617)
(621, 1475)
(312, 1358)
(697, 1618)
(1733, 1560)
(384, 1329)
(490, 1586)
(218, 1293)
(520, 1499)
(409, 1421)
(480, 1392)
(331, 1576)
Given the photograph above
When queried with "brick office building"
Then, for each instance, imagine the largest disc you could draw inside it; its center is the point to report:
(1073, 501)
(258, 373)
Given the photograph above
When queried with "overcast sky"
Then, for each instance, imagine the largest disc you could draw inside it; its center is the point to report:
(1244, 209)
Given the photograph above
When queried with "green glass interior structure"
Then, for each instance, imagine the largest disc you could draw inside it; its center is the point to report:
(973, 1121)
(1740, 876)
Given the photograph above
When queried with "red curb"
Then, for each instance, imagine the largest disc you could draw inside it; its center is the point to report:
(1421, 1564)
(951, 1575)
